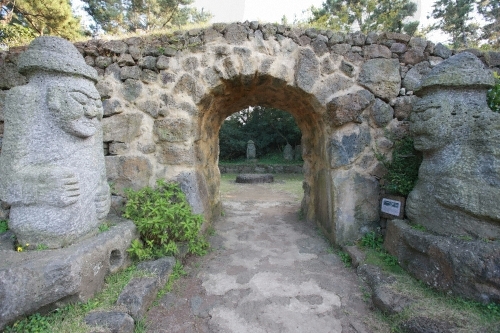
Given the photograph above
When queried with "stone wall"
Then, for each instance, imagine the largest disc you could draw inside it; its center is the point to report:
(166, 96)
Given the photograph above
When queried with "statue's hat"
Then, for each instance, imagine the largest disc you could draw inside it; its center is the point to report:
(49, 53)
(461, 70)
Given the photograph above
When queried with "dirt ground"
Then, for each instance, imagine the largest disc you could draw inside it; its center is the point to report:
(268, 271)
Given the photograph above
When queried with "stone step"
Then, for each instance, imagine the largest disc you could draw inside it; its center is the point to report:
(136, 297)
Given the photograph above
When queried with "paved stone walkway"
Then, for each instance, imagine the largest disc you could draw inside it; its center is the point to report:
(268, 272)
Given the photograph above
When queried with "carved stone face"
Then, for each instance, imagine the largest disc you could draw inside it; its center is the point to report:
(77, 107)
(431, 122)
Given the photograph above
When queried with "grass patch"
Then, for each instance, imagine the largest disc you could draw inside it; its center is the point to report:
(70, 317)
(283, 182)
(177, 273)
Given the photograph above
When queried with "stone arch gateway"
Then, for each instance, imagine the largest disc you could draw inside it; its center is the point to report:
(166, 96)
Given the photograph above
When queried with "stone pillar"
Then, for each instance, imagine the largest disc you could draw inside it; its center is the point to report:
(458, 183)
(251, 153)
(52, 161)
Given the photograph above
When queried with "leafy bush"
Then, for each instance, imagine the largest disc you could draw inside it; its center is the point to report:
(163, 218)
(402, 170)
(493, 95)
(372, 240)
(3, 226)
(35, 323)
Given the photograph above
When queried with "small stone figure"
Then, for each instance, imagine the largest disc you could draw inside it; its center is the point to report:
(251, 154)
(288, 152)
(458, 184)
(52, 162)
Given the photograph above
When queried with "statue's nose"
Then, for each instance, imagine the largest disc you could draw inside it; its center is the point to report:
(91, 111)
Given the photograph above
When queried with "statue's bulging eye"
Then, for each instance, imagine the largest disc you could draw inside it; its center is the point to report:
(79, 97)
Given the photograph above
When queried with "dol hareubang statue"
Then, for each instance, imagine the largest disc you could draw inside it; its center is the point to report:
(458, 188)
(52, 161)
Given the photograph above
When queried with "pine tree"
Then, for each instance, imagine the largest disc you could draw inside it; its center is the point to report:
(490, 10)
(454, 18)
(23, 20)
(367, 15)
(391, 15)
(37, 18)
(115, 16)
(343, 14)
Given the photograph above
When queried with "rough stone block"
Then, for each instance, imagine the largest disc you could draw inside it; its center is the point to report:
(128, 172)
(415, 74)
(492, 58)
(122, 127)
(30, 280)
(360, 211)
(377, 51)
(131, 89)
(175, 154)
(382, 113)
(308, 69)
(130, 72)
(347, 108)
(111, 107)
(413, 56)
(162, 268)
(138, 296)
(173, 129)
(442, 51)
(194, 186)
(403, 106)
(465, 268)
(357, 256)
(116, 46)
(116, 322)
(344, 148)
(381, 77)
(254, 178)
(235, 34)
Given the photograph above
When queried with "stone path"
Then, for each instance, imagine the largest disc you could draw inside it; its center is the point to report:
(268, 272)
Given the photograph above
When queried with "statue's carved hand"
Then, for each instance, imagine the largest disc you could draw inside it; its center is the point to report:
(59, 188)
(102, 202)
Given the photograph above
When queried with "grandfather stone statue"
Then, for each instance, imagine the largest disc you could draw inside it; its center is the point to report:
(288, 152)
(250, 150)
(52, 161)
(458, 189)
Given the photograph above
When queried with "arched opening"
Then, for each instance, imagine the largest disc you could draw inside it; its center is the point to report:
(264, 90)
(272, 132)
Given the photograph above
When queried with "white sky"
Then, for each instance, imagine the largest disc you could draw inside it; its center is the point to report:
(273, 10)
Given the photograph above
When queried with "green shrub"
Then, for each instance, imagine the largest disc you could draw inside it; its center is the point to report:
(35, 323)
(163, 218)
(493, 95)
(372, 240)
(345, 258)
(3, 226)
(402, 170)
